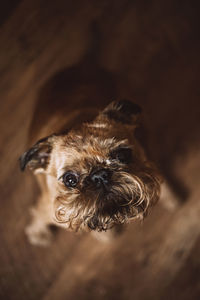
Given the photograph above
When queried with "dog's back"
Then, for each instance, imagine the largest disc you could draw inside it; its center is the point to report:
(69, 97)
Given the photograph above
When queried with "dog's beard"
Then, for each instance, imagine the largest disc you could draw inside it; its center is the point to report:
(128, 197)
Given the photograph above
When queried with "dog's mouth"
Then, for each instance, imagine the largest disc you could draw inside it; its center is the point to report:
(112, 209)
(127, 198)
(107, 210)
(109, 217)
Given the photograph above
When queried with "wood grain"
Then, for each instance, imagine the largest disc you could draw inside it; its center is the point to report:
(153, 49)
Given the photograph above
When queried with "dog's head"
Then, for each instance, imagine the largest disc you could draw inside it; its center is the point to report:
(98, 175)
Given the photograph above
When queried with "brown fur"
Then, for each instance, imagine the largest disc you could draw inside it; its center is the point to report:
(133, 186)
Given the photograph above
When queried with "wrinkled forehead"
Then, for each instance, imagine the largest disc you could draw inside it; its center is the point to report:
(75, 149)
(93, 143)
(88, 146)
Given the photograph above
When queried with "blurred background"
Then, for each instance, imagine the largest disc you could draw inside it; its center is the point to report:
(153, 48)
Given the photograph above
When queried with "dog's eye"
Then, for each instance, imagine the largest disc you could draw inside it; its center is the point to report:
(70, 179)
(124, 155)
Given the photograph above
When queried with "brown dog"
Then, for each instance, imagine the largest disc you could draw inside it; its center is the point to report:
(92, 171)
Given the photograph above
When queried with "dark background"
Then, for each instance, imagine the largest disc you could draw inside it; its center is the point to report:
(153, 48)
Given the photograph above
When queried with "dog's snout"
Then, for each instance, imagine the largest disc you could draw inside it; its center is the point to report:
(101, 177)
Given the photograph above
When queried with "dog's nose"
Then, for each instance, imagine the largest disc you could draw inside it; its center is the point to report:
(101, 177)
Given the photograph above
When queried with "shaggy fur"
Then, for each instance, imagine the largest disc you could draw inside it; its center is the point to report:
(107, 143)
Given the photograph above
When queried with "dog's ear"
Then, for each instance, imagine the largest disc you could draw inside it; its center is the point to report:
(37, 157)
(123, 111)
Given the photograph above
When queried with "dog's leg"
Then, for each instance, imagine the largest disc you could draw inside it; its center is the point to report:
(38, 231)
(168, 198)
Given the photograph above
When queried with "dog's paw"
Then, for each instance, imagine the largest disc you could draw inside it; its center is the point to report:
(39, 236)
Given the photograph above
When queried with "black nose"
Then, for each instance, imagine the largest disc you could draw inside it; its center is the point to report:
(101, 177)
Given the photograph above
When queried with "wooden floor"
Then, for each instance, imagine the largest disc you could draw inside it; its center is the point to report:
(153, 47)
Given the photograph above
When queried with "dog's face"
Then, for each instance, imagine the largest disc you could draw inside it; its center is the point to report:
(97, 175)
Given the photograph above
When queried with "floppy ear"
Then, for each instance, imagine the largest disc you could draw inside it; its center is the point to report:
(37, 157)
(123, 111)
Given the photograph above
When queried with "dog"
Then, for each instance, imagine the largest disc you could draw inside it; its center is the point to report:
(93, 173)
